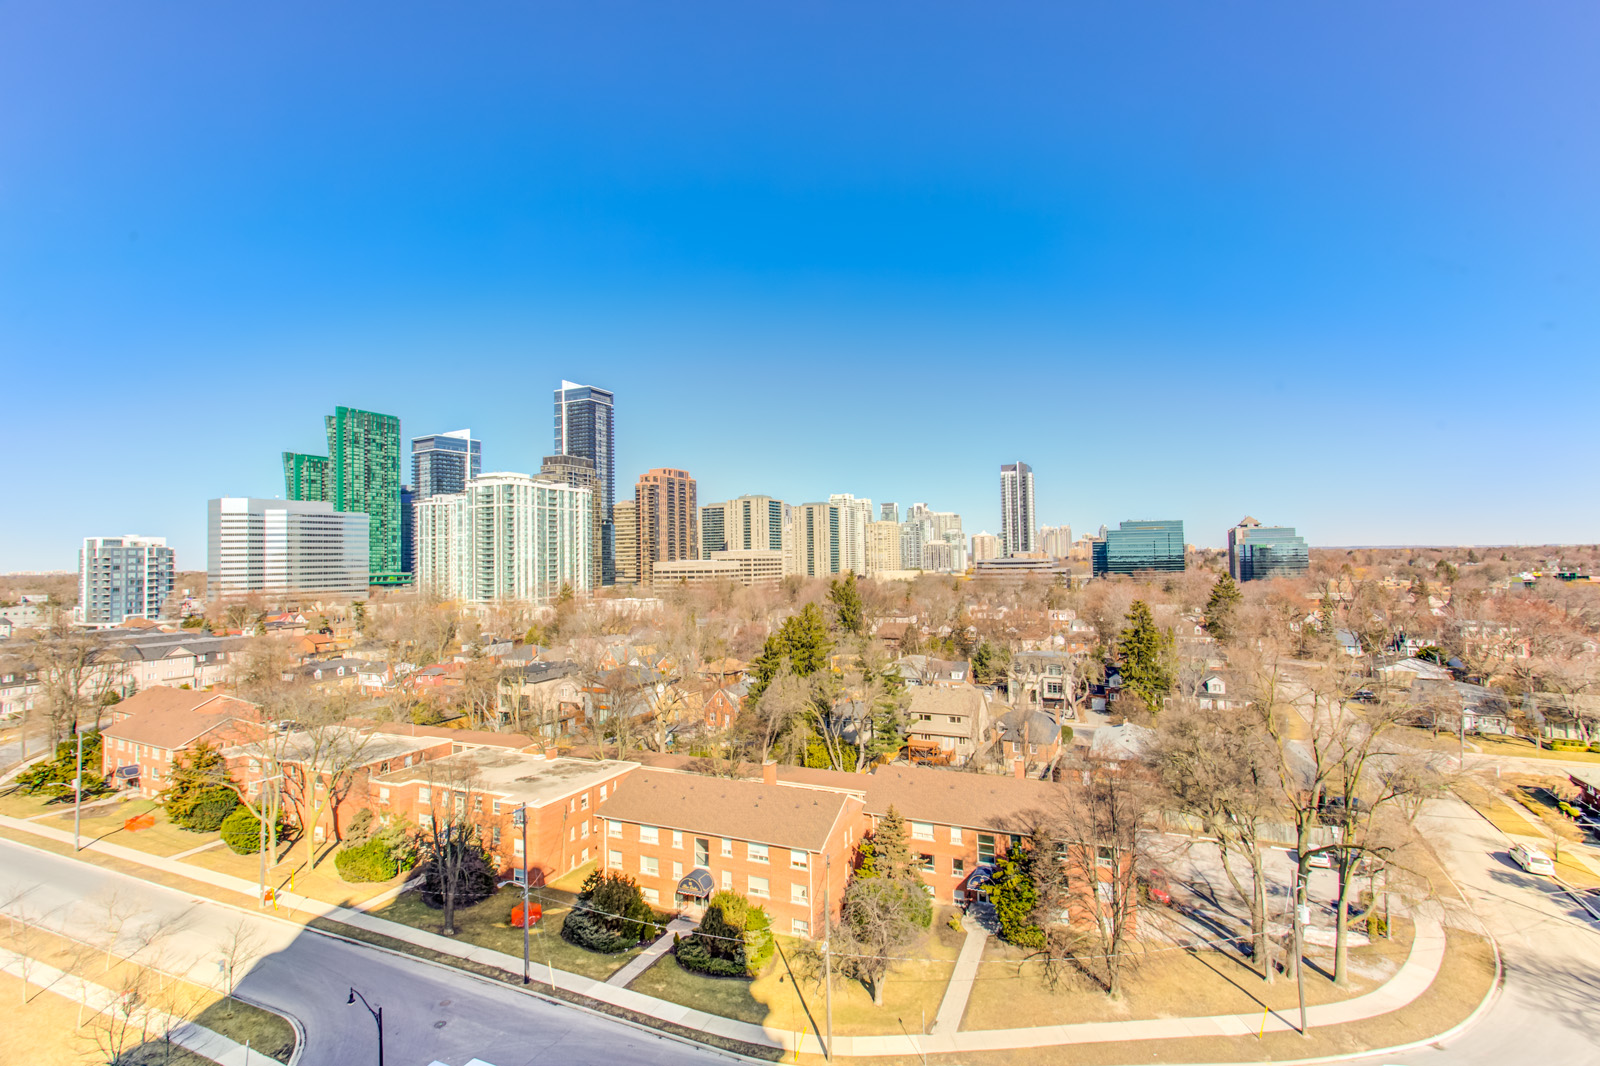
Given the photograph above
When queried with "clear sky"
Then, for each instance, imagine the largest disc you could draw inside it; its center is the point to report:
(1333, 265)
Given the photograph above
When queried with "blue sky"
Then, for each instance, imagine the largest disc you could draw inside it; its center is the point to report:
(1335, 266)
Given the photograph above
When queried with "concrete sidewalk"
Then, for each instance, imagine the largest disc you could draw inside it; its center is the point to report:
(647, 958)
(1415, 975)
(954, 1004)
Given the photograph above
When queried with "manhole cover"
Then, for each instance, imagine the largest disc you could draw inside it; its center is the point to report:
(444, 1003)
(440, 1024)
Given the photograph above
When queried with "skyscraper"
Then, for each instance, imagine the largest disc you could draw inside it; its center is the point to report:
(361, 475)
(123, 577)
(854, 518)
(816, 539)
(506, 537)
(1055, 540)
(985, 546)
(1140, 545)
(883, 546)
(586, 427)
(746, 523)
(283, 549)
(626, 516)
(580, 473)
(889, 512)
(444, 462)
(1257, 552)
(669, 519)
(1017, 517)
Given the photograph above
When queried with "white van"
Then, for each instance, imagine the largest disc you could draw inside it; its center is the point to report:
(1533, 860)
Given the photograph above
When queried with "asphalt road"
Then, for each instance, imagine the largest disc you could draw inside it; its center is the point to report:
(1548, 1012)
(428, 1013)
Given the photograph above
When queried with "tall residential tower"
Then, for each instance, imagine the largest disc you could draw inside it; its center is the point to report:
(1018, 520)
(586, 426)
(360, 475)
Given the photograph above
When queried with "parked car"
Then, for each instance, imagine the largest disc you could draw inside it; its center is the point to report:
(1364, 695)
(1532, 860)
(1319, 860)
(1157, 888)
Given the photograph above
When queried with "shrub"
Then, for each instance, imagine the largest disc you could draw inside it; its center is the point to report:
(1066, 734)
(734, 939)
(1568, 745)
(610, 915)
(1594, 746)
(1376, 926)
(368, 861)
(360, 827)
(54, 776)
(241, 831)
(199, 796)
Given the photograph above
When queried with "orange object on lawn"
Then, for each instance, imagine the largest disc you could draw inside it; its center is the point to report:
(535, 912)
(138, 822)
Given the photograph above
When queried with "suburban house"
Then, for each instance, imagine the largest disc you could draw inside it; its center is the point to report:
(788, 847)
(543, 695)
(1023, 736)
(134, 660)
(563, 799)
(917, 670)
(151, 727)
(946, 724)
(1041, 680)
(1217, 690)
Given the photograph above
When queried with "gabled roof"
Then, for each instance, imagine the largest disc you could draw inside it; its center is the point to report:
(173, 718)
(949, 797)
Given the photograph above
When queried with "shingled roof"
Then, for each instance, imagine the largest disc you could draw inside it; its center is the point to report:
(780, 815)
(972, 801)
(174, 718)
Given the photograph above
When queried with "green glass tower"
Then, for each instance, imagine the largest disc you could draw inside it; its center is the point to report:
(305, 477)
(360, 474)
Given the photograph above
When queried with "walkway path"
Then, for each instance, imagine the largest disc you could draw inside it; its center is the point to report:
(647, 958)
(954, 1005)
(1414, 977)
(197, 1038)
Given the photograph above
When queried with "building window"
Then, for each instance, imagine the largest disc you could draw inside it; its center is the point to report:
(424, 794)
(756, 852)
(516, 845)
(798, 860)
(584, 831)
(801, 927)
(1103, 855)
(494, 807)
(727, 848)
(677, 871)
(727, 881)
(649, 834)
(583, 801)
(958, 867)
(602, 793)
(650, 895)
(921, 830)
(614, 828)
(649, 866)
(677, 839)
(927, 863)
(383, 796)
(986, 849)
(614, 859)
(797, 893)
(758, 888)
(702, 851)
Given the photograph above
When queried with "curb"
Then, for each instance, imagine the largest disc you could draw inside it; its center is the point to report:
(294, 1023)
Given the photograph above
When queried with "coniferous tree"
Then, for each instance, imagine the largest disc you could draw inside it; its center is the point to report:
(1144, 654)
(199, 796)
(849, 613)
(1220, 608)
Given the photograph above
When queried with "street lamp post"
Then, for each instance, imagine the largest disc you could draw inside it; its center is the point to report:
(519, 818)
(377, 1016)
(77, 798)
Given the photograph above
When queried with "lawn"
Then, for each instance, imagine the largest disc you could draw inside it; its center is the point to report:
(488, 925)
(1010, 990)
(107, 823)
(1496, 810)
(293, 873)
(14, 803)
(910, 998)
(1501, 745)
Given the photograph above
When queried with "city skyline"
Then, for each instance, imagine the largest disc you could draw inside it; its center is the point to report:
(270, 222)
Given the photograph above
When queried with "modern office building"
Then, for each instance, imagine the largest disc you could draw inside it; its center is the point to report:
(883, 546)
(408, 529)
(1136, 546)
(285, 550)
(123, 577)
(1018, 520)
(985, 546)
(889, 512)
(507, 537)
(361, 475)
(669, 518)
(625, 519)
(854, 518)
(746, 523)
(580, 473)
(817, 551)
(1056, 541)
(585, 426)
(755, 567)
(444, 462)
(1258, 553)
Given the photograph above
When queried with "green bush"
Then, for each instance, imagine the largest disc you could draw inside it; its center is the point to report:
(360, 827)
(54, 776)
(369, 861)
(1594, 746)
(1568, 745)
(610, 915)
(734, 939)
(211, 810)
(1066, 734)
(242, 832)
(1376, 926)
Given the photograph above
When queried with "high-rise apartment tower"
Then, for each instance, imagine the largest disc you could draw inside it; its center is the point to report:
(669, 519)
(1018, 520)
(123, 577)
(586, 427)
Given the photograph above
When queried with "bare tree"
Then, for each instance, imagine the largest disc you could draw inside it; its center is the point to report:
(27, 941)
(74, 675)
(448, 837)
(239, 947)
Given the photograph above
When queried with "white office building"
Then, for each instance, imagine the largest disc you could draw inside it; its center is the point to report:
(854, 518)
(284, 549)
(123, 577)
(507, 537)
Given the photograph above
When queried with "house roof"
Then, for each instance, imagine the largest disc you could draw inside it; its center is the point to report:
(514, 775)
(173, 718)
(963, 701)
(781, 815)
(474, 737)
(949, 797)
(1025, 725)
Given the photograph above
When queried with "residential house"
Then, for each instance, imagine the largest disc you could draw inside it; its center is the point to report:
(916, 670)
(152, 727)
(1042, 680)
(784, 846)
(946, 724)
(543, 697)
(1022, 737)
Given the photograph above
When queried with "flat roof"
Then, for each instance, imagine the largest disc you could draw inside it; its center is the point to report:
(515, 775)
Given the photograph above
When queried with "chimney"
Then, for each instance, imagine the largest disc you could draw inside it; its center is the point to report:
(1020, 768)
(769, 772)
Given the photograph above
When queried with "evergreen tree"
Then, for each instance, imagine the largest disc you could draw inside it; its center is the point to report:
(1220, 608)
(849, 614)
(1014, 897)
(199, 795)
(1144, 654)
(802, 641)
(894, 854)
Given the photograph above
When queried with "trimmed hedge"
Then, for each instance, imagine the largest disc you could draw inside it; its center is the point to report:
(1568, 745)
(372, 861)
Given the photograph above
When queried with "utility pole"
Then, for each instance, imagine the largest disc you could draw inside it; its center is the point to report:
(827, 953)
(261, 850)
(1301, 912)
(520, 818)
(77, 796)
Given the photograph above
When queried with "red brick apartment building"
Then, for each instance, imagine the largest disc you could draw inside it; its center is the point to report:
(563, 798)
(150, 727)
(683, 836)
